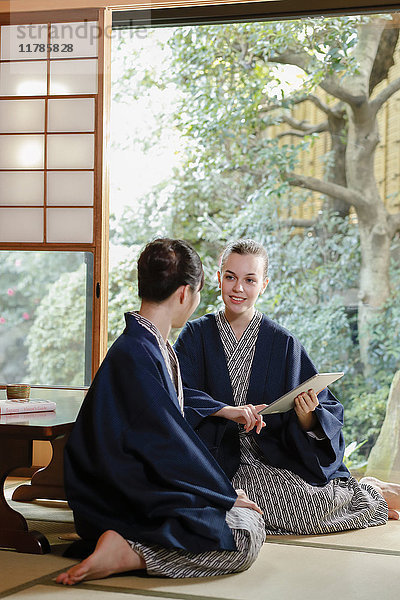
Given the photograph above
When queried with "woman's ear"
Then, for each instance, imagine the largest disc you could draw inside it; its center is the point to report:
(264, 286)
(183, 291)
(219, 279)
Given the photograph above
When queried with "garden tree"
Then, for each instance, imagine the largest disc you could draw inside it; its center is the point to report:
(238, 179)
(24, 281)
(56, 339)
(229, 78)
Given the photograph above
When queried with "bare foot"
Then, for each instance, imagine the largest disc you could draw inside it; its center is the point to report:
(390, 491)
(111, 555)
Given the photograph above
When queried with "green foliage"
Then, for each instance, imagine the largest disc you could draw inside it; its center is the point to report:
(365, 406)
(235, 182)
(57, 337)
(351, 462)
(25, 278)
(122, 293)
(310, 274)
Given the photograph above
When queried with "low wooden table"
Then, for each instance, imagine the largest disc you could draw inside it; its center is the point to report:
(17, 433)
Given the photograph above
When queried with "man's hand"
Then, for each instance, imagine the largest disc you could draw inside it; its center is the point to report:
(245, 415)
(304, 406)
(243, 501)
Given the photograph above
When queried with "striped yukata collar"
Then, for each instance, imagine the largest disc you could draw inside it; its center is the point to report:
(168, 354)
(239, 354)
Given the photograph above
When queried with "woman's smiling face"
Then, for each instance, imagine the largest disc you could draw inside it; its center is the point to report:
(241, 281)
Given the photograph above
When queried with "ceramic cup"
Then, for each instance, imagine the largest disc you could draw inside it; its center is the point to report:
(18, 392)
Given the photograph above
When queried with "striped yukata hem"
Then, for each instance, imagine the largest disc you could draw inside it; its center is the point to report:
(248, 531)
(291, 506)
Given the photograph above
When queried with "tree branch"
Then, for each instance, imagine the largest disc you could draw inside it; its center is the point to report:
(336, 111)
(384, 58)
(268, 107)
(332, 85)
(365, 52)
(292, 133)
(385, 94)
(293, 57)
(302, 134)
(319, 104)
(254, 172)
(351, 197)
(305, 126)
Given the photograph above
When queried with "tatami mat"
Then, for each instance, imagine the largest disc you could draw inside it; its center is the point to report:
(44, 510)
(43, 592)
(283, 572)
(383, 539)
(56, 533)
(39, 510)
(17, 569)
(354, 565)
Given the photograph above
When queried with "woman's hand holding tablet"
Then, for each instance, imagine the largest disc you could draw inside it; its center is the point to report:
(317, 382)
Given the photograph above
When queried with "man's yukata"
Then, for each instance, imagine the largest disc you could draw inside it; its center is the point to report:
(133, 464)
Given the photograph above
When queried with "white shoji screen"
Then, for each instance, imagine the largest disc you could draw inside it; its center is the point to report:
(48, 103)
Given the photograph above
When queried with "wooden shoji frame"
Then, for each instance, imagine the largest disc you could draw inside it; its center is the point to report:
(99, 246)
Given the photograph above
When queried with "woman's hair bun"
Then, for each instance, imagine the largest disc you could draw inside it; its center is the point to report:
(164, 265)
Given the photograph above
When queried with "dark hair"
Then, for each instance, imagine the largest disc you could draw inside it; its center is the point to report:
(246, 247)
(166, 264)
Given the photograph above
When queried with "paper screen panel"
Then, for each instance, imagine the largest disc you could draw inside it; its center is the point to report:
(24, 42)
(23, 79)
(70, 188)
(70, 225)
(74, 40)
(75, 114)
(21, 151)
(23, 116)
(21, 187)
(68, 77)
(75, 151)
(21, 225)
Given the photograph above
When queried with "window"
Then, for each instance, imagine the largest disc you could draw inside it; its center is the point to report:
(254, 121)
(46, 317)
(52, 193)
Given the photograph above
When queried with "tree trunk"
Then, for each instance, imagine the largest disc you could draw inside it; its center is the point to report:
(372, 216)
(336, 170)
(374, 283)
(384, 458)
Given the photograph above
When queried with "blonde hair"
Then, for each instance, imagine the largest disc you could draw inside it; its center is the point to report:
(243, 247)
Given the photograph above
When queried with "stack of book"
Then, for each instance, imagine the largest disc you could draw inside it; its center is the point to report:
(9, 407)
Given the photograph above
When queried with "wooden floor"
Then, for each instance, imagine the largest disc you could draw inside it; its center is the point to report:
(355, 565)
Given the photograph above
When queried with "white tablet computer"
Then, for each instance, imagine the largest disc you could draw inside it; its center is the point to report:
(317, 382)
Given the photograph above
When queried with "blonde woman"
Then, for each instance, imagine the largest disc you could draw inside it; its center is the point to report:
(294, 468)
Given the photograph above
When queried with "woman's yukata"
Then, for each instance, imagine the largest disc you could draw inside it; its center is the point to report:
(297, 478)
